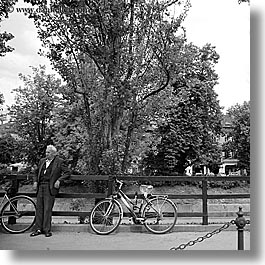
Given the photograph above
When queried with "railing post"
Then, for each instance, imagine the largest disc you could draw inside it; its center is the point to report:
(12, 193)
(14, 188)
(204, 202)
(240, 223)
(110, 186)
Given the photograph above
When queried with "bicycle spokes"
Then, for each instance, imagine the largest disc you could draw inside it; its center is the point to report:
(105, 217)
(18, 214)
(160, 215)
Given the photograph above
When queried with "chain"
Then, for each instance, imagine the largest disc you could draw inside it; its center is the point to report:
(202, 238)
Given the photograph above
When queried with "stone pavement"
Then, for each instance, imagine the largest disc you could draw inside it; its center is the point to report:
(128, 237)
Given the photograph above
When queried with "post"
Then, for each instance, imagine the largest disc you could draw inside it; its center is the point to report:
(240, 223)
(12, 192)
(110, 186)
(204, 202)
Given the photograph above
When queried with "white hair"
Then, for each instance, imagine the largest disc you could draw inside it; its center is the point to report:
(51, 147)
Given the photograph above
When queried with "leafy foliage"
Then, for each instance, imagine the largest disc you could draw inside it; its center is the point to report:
(191, 122)
(243, 1)
(32, 113)
(240, 133)
(115, 55)
(2, 100)
(127, 67)
(70, 132)
(5, 7)
(8, 146)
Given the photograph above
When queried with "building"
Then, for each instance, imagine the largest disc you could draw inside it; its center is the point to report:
(228, 161)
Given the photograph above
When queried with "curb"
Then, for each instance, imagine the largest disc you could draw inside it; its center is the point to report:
(78, 228)
(131, 228)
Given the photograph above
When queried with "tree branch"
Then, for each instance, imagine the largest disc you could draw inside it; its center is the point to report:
(164, 85)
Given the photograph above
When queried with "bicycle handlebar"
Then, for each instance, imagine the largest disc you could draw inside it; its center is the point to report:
(120, 182)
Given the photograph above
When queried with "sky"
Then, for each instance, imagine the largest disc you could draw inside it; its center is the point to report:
(223, 23)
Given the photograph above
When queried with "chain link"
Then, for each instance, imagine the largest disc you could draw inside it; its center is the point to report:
(202, 238)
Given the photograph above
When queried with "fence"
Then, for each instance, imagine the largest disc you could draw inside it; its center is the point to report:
(204, 196)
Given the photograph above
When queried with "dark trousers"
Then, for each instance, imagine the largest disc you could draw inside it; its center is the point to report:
(45, 202)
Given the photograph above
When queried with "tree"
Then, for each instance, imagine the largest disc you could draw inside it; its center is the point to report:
(2, 101)
(240, 134)
(189, 124)
(10, 145)
(5, 7)
(70, 132)
(243, 1)
(9, 149)
(116, 53)
(32, 113)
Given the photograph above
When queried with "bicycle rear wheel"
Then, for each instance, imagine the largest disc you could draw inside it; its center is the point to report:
(160, 215)
(18, 214)
(105, 217)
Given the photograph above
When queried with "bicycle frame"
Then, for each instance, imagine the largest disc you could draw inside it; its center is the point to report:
(129, 204)
(6, 198)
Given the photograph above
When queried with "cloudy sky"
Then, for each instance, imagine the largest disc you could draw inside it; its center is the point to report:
(223, 23)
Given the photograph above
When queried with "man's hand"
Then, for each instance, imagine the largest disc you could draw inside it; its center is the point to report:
(35, 185)
(57, 184)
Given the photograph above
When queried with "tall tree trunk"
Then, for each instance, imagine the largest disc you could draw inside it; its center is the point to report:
(133, 118)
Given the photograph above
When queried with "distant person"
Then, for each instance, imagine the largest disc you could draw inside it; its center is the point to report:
(50, 172)
(188, 169)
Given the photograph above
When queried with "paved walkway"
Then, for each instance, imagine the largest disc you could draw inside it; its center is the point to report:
(62, 240)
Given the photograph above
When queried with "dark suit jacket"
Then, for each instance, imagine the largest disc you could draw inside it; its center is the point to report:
(59, 171)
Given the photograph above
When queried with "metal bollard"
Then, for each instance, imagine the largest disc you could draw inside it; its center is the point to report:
(240, 223)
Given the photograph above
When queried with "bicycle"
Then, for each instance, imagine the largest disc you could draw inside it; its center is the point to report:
(156, 212)
(18, 213)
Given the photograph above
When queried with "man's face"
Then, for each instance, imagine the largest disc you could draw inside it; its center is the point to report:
(50, 154)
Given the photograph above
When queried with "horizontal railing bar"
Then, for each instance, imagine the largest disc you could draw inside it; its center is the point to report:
(81, 195)
(126, 214)
(229, 196)
(170, 196)
(134, 177)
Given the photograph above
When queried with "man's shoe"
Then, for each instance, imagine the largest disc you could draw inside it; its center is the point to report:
(48, 234)
(36, 233)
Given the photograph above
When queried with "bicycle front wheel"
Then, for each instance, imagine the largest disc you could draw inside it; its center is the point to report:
(105, 217)
(18, 214)
(160, 215)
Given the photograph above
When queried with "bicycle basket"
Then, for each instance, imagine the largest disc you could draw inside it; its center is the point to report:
(146, 189)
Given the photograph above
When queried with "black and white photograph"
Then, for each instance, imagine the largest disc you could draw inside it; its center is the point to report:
(125, 125)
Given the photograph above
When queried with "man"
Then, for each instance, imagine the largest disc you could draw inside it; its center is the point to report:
(51, 171)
